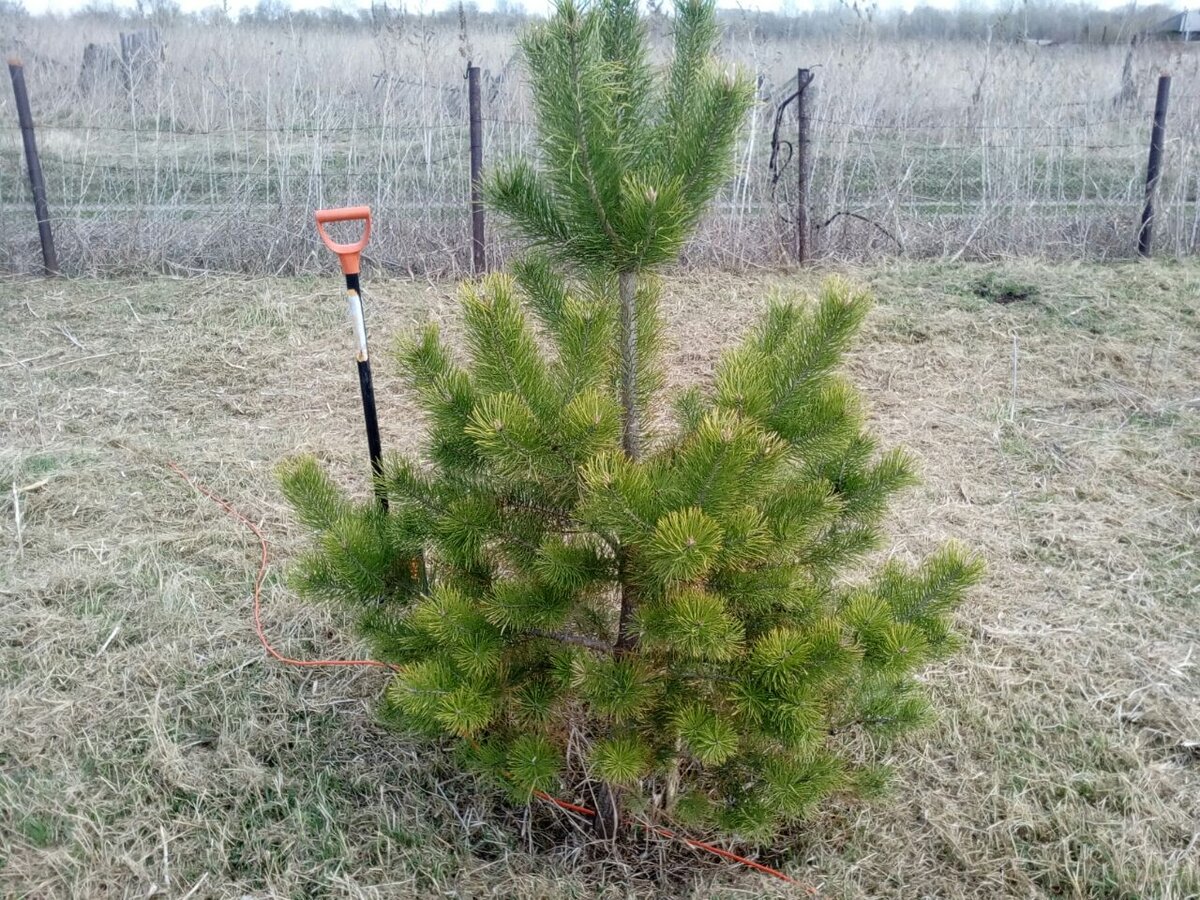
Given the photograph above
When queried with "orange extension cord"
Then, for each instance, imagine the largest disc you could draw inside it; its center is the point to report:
(237, 515)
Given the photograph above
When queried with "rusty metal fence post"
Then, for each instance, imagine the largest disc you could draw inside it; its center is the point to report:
(1154, 164)
(478, 247)
(40, 209)
(804, 78)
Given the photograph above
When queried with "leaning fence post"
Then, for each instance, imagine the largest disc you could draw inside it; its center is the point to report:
(478, 248)
(804, 78)
(36, 182)
(1154, 164)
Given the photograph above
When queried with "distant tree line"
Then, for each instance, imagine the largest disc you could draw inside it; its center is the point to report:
(1040, 20)
(1043, 20)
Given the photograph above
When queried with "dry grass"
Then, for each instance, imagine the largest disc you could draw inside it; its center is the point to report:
(147, 747)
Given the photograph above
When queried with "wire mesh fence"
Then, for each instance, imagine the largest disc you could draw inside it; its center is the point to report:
(165, 176)
(948, 189)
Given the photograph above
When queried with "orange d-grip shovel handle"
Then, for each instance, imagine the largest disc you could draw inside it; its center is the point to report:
(347, 253)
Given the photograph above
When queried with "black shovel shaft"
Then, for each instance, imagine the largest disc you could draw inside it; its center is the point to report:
(370, 417)
(373, 446)
(367, 387)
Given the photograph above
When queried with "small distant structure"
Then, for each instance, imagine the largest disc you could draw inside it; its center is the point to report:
(101, 66)
(136, 57)
(1184, 26)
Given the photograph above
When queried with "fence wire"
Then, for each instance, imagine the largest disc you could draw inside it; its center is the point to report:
(134, 185)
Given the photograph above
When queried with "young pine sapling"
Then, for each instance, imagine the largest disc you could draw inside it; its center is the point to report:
(655, 607)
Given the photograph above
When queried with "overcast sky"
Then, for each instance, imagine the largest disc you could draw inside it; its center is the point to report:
(37, 6)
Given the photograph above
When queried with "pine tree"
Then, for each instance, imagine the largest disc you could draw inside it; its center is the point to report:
(662, 613)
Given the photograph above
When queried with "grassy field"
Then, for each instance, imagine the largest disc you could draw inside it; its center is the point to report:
(148, 748)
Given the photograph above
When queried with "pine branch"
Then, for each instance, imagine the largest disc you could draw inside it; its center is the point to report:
(512, 503)
(577, 639)
(710, 676)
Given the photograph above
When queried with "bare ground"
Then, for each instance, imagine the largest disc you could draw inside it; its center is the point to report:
(147, 747)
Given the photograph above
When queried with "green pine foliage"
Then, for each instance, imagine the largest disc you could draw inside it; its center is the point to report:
(674, 613)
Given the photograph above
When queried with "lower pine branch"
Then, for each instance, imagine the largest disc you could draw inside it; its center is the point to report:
(566, 638)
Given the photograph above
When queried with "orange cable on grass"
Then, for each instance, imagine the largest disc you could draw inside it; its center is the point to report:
(564, 804)
(234, 513)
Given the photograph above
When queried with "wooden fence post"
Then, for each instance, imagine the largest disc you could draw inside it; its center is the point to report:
(478, 248)
(1154, 164)
(36, 182)
(804, 78)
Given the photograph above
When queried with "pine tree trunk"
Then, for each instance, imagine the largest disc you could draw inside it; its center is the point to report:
(625, 638)
(608, 811)
(671, 788)
(631, 436)
(631, 426)
(608, 800)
